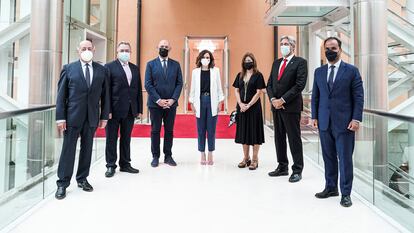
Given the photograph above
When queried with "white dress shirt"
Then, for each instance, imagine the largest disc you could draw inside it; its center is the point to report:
(127, 70)
(337, 64)
(84, 69)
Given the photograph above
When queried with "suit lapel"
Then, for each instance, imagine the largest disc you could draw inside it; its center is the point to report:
(134, 74)
(288, 66)
(168, 67)
(198, 81)
(95, 71)
(121, 69)
(325, 77)
(159, 63)
(338, 77)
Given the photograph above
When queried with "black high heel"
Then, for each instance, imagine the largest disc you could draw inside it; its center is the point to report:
(244, 163)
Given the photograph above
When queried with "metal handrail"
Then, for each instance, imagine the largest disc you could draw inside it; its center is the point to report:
(394, 116)
(14, 113)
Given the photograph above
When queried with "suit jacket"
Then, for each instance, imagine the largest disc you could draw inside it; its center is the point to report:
(123, 95)
(216, 91)
(161, 86)
(75, 102)
(290, 85)
(343, 103)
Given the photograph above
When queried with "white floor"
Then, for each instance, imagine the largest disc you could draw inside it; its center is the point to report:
(194, 198)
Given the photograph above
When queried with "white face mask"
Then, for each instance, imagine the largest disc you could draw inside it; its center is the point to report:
(86, 55)
(285, 50)
(205, 61)
(124, 56)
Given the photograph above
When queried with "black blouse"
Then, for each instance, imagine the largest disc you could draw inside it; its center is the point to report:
(249, 89)
(205, 81)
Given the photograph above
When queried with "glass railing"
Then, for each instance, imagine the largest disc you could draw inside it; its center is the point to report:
(30, 147)
(383, 156)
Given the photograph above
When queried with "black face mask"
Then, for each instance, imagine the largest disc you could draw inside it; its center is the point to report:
(331, 55)
(248, 65)
(163, 52)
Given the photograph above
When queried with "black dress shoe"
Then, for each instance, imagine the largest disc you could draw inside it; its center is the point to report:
(129, 169)
(279, 172)
(170, 161)
(110, 172)
(346, 201)
(295, 177)
(60, 193)
(327, 193)
(155, 162)
(85, 186)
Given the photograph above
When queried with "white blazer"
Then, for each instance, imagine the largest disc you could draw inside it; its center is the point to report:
(216, 92)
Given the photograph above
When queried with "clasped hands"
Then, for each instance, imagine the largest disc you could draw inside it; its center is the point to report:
(278, 103)
(166, 103)
(244, 107)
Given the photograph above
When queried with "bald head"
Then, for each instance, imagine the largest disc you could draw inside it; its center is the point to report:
(164, 44)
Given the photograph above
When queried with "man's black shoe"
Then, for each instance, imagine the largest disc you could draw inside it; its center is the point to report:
(327, 193)
(129, 169)
(85, 186)
(110, 172)
(60, 193)
(346, 201)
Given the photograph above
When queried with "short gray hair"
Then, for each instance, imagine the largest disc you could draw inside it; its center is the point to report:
(124, 43)
(291, 40)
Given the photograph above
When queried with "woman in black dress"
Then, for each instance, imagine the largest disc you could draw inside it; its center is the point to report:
(249, 86)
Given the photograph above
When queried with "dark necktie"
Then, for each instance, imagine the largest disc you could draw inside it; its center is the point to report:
(87, 75)
(164, 67)
(331, 77)
(282, 69)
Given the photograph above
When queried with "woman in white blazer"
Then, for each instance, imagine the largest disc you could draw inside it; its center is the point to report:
(205, 97)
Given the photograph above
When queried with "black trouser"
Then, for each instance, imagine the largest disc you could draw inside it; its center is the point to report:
(125, 126)
(167, 116)
(67, 157)
(288, 123)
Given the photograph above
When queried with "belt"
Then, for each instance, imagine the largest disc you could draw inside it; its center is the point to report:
(205, 93)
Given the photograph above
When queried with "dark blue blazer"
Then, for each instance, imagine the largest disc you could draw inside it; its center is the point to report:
(343, 103)
(75, 102)
(160, 86)
(123, 95)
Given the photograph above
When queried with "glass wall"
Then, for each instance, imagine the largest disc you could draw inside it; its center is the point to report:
(25, 179)
(94, 20)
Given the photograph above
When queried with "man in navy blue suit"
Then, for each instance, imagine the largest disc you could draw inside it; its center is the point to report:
(337, 106)
(163, 82)
(126, 105)
(82, 86)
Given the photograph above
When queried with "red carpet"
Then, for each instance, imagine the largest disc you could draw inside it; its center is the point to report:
(185, 127)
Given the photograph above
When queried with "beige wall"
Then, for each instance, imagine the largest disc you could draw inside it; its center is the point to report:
(240, 20)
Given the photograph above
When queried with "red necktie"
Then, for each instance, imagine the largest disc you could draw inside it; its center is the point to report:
(282, 69)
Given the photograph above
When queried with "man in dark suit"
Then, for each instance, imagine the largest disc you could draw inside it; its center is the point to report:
(284, 88)
(126, 105)
(82, 85)
(163, 82)
(337, 105)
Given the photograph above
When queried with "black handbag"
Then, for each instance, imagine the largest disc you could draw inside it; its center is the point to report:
(233, 118)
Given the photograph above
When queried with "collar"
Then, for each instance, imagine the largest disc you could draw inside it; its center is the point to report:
(166, 59)
(288, 58)
(122, 63)
(337, 64)
(84, 63)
